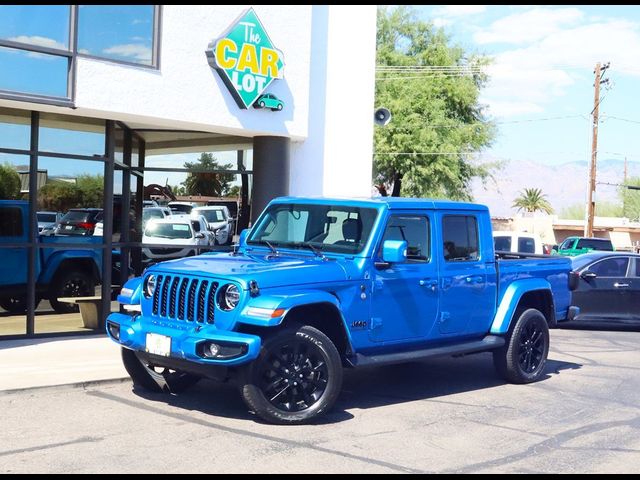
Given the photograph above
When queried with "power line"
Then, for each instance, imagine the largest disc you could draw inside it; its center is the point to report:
(628, 120)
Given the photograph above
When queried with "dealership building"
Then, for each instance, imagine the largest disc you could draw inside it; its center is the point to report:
(105, 107)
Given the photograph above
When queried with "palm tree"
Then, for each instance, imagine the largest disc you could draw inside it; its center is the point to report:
(532, 200)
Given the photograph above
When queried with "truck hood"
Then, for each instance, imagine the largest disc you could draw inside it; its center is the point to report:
(268, 271)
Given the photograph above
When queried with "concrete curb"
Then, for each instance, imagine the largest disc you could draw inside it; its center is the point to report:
(67, 386)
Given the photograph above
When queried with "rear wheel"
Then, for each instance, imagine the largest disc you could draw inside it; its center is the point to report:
(155, 379)
(14, 304)
(70, 283)
(523, 357)
(296, 377)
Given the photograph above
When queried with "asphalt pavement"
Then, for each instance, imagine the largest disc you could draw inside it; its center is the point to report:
(451, 415)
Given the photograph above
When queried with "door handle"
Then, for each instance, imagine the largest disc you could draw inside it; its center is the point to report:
(432, 284)
(475, 279)
(620, 285)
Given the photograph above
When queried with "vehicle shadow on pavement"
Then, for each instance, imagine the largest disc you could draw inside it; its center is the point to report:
(602, 325)
(435, 380)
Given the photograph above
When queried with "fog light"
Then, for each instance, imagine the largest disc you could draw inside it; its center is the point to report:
(114, 330)
(212, 350)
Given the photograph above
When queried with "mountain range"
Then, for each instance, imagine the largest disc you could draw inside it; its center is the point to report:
(564, 184)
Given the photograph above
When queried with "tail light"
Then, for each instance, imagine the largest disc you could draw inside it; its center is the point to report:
(87, 225)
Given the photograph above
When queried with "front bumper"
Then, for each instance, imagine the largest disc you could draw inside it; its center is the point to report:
(187, 338)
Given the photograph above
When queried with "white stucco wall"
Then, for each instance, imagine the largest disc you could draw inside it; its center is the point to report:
(186, 92)
(336, 158)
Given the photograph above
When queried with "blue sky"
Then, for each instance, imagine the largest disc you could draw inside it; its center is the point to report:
(542, 68)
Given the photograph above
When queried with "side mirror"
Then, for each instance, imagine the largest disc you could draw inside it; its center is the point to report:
(242, 242)
(199, 235)
(588, 275)
(393, 251)
(554, 248)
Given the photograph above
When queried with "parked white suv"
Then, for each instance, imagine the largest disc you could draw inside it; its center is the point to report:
(517, 242)
(177, 237)
(220, 222)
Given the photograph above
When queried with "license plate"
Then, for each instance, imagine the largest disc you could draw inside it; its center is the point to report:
(158, 344)
(68, 227)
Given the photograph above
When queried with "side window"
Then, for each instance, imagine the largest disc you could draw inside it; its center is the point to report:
(10, 222)
(196, 225)
(526, 245)
(460, 235)
(412, 229)
(567, 244)
(637, 267)
(611, 267)
(502, 244)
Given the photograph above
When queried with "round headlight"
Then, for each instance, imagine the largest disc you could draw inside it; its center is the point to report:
(229, 298)
(150, 286)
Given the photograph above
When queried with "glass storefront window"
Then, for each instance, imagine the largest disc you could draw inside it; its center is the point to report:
(79, 136)
(15, 129)
(117, 32)
(33, 73)
(41, 25)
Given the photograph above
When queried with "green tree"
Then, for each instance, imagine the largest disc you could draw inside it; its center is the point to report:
(91, 190)
(631, 199)
(532, 200)
(431, 111)
(59, 196)
(201, 182)
(9, 182)
(577, 211)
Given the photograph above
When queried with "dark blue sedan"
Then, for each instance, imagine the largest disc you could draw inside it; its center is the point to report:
(609, 286)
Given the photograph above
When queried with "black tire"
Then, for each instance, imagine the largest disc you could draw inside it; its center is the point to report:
(524, 355)
(70, 283)
(14, 304)
(155, 380)
(296, 377)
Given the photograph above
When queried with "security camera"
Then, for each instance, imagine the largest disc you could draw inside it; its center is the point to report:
(381, 116)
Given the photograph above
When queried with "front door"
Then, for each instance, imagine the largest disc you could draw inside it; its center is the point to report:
(405, 295)
(13, 268)
(609, 293)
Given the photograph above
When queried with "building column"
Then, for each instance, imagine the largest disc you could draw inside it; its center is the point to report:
(270, 171)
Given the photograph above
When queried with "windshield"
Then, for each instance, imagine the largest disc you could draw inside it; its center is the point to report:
(47, 217)
(212, 216)
(181, 208)
(147, 214)
(168, 230)
(327, 228)
(567, 244)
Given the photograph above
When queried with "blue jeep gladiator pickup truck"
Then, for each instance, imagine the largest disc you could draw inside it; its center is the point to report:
(61, 270)
(321, 284)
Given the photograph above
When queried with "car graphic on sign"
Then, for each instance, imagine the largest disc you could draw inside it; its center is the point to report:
(268, 100)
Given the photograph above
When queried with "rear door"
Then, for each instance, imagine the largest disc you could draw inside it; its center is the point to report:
(634, 287)
(13, 267)
(467, 278)
(609, 293)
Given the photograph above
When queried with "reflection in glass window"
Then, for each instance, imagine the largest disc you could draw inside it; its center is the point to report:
(414, 231)
(460, 234)
(117, 32)
(14, 176)
(15, 129)
(35, 73)
(42, 25)
(611, 267)
(64, 134)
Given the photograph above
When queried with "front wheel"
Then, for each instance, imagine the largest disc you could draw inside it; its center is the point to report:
(155, 379)
(523, 357)
(296, 377)
(14, 304)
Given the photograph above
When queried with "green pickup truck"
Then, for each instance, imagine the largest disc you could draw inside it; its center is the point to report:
(573, 246)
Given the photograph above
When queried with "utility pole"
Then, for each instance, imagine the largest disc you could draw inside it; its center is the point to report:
(591, 203)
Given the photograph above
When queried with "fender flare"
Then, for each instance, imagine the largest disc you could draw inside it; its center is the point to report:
(510, 300)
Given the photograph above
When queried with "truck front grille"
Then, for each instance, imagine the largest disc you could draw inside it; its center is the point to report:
(184, 299)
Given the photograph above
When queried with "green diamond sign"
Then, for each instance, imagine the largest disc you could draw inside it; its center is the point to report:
(246, 59)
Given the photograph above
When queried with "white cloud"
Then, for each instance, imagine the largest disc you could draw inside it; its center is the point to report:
(525, 80)
(442, 22)
(84, 51)
(39, 41)
(133, 50)
(529, 26)
(459, 10)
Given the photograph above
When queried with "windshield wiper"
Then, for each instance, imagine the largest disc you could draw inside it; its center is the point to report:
(316, 250)
(270, 245)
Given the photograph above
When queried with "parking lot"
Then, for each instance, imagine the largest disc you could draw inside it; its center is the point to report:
(441, 416)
